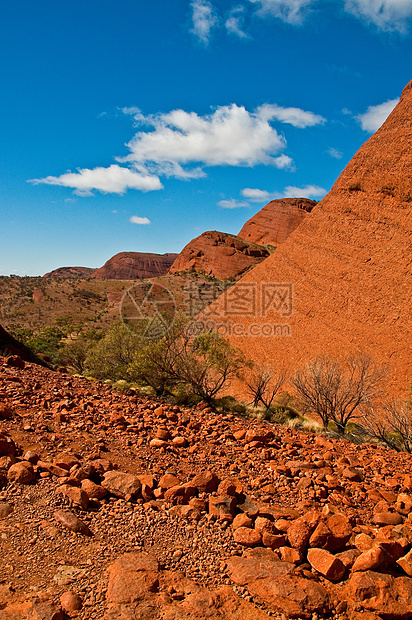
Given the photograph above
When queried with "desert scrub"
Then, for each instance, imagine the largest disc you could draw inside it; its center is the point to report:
(337, 390)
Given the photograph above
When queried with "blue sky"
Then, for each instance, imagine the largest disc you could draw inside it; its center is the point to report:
(136, 126)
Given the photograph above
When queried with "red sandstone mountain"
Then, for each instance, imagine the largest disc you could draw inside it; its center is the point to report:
(70, 272)
(276, 221)
(349, 264)
(135, 265)
(219, 255)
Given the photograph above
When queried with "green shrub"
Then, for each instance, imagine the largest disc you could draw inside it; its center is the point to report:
(202, 364)
(73, 354)
(280, 414)
(110, 357)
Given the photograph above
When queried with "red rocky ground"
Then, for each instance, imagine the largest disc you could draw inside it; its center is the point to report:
(119, 507)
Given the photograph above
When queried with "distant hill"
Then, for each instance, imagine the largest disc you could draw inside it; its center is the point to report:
(219, 255)
(70, 272)
(135, 265)
(276, 221)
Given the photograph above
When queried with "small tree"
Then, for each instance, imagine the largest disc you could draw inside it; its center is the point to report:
(110, 357)
(156, 362)
(208, 362)
(203, 363)
(335, 390)
(393, 426)
(73, 353)
(263, 386)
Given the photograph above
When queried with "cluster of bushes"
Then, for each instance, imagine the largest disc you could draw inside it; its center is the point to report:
(350, 395)
(49, 342)
(344, 395)
(173, 363)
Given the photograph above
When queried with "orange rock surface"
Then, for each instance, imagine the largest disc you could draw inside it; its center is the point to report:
(346, 271)
(219, 255)
(134, 265)
(276, 221)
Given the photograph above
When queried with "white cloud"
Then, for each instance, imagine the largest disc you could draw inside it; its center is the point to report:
(204, 19)
(260, 195)
(386, 15)
(232, 203)
(335, 153)
(255, 195)
(389, 15)
(112, 180)
(135, 219)
(292, 116)
(307, 191)
(234, 23)
(180, 144)
(173, 169)
(283, 162)
(230, 136)
(376, 115)
(289, 11)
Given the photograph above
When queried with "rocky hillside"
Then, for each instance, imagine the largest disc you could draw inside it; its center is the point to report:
(276, 221)
(345, 271)
(118, 506)
(70, 272)
(11, 346)
(219, 255)
(134, 266)
(35, 302)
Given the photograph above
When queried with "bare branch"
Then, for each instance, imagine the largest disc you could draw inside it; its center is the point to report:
(392, 427)
(335, 390)
(263, 386)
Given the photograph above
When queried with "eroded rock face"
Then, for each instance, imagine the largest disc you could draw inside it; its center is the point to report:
(219, 255)
(134, 265)
(347, 266)
(276, 221)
